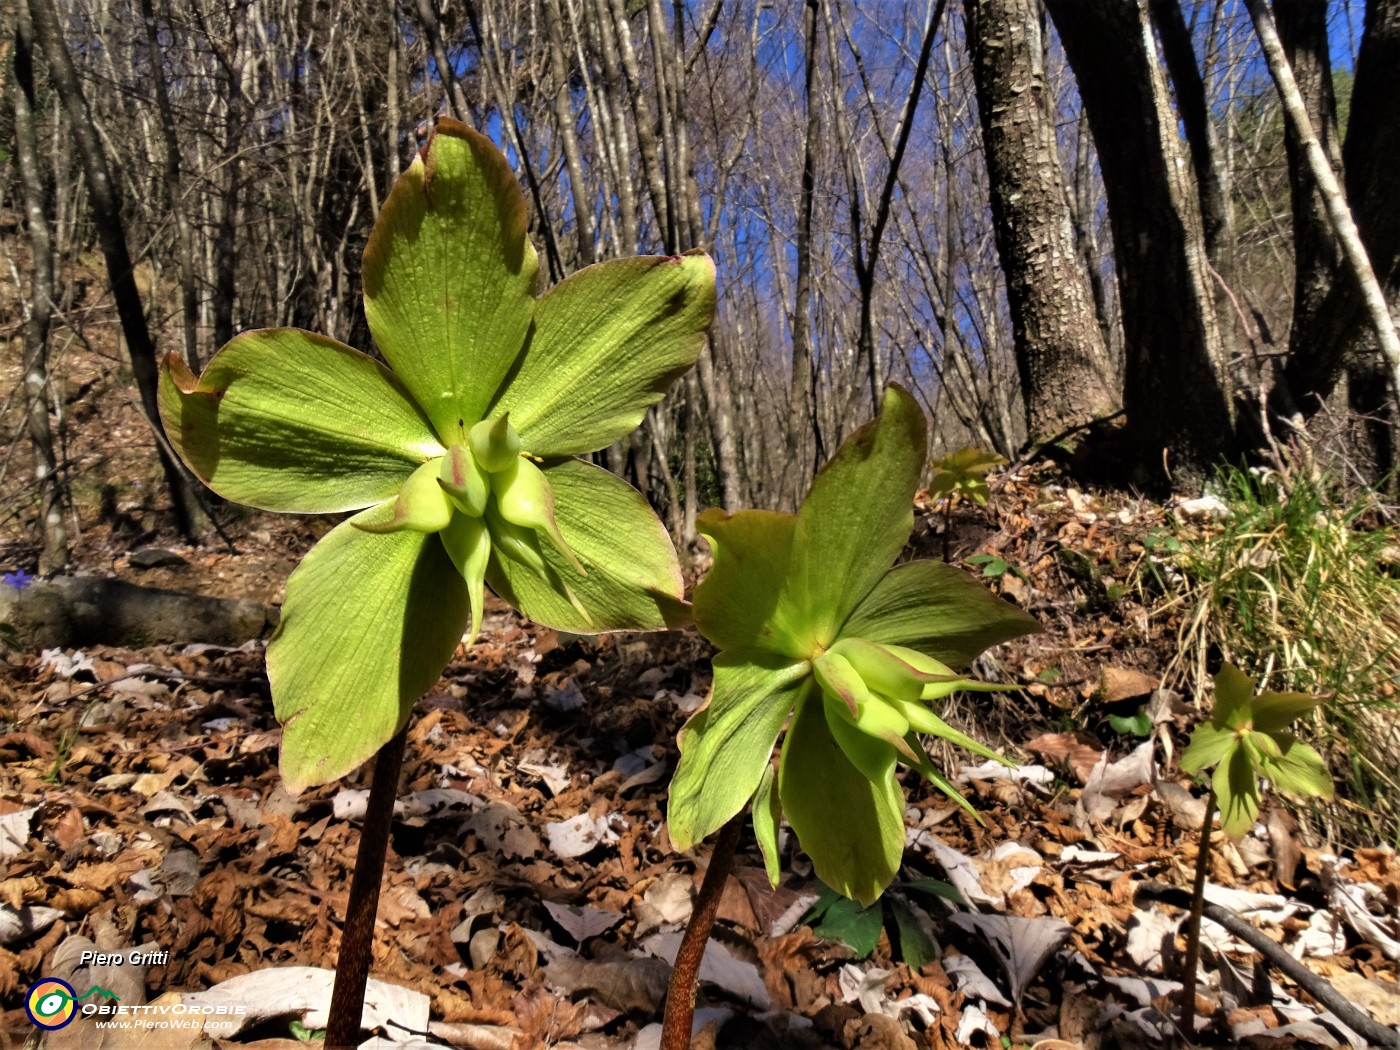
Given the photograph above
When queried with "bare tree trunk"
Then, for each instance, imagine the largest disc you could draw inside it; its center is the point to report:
(1177, 390)
(1338, 213)
(802, 416)
(174, 187)
(53, 553)
(106, 207)
(1060, 351)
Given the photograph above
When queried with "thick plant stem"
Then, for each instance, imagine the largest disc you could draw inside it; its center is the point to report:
(352, 967)
(1193, 923)
(680, 998)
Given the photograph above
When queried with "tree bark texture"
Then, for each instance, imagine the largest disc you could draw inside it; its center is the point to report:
(1357, 261)
(1060, 351)
(53, 554)
(106, 209)
(1177, 391)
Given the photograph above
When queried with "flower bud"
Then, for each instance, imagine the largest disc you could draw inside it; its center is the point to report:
(466, 484)
(421, 505)
(522, 545)
(523, 498)
(494, 443)
(468, 543)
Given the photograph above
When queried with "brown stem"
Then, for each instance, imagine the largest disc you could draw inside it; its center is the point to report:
(352, 967)
(1193, 923)
(680, 999)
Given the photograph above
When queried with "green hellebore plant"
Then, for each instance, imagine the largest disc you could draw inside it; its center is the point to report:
(964, 472)
(1246, 739)
(458, 461)
(815, 625)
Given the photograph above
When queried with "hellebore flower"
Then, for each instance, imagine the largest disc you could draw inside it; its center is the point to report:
(815, 626)
(1247, 738)
(457, 456)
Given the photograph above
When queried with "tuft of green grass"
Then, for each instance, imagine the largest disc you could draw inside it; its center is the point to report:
(1301, 589)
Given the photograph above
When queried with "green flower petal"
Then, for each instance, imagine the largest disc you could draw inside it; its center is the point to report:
(608, 342)
(1237, 792)
(1234, 697)
(727, 744)
(634, 581)
(856, 518)
(1274, 711)
(851, 827)
(937, 610)
(369, 623)
(286, 420)
(1300, 769)
(736, 604)
(1209, 745)
(450, 277)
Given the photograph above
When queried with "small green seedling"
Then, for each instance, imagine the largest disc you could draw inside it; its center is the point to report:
(1245, 740)
(962, 474)
(458, 459)
(814, 625)
(838, 918)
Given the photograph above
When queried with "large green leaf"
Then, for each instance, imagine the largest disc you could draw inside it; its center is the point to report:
(286, 420)
(607, 343)
(1273, 711)
(727, 744)
(369, 622)
(937, 610)
(634, 581)
(851, 827)
(735, 604)
(1234, 697)
(1299, 769)
(450, 277)
(856, 518)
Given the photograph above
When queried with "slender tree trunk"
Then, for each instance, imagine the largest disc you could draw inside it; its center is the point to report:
(1177, 390)
(53, 553)
(1060, 352)
(802, 419)
(106, 208)
(174, 187)
(1338, 213)
(1315, 362)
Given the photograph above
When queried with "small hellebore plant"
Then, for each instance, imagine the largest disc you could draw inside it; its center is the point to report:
(457, 458)
(1245, 739)
(815, 625)
(961, 473)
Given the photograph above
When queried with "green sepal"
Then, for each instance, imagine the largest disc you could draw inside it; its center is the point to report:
(286, 420)
(421, 505)
(1209, 745)
(634, 580)
(736, 604)
(855, 520)
(922, 720)
(838, 679)
(467, 541)
(1237, 792)
(767, 817)
(607, 343)
(1234, 697)
(726, 745)
(851, 827)
(1298, 769)
(369, 623)
(871, 740)
(885, 670)
(465, 483)
(937, 610)
(450, 275)
(1274, 711)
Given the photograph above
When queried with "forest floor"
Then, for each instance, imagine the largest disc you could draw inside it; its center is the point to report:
(532, 897)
